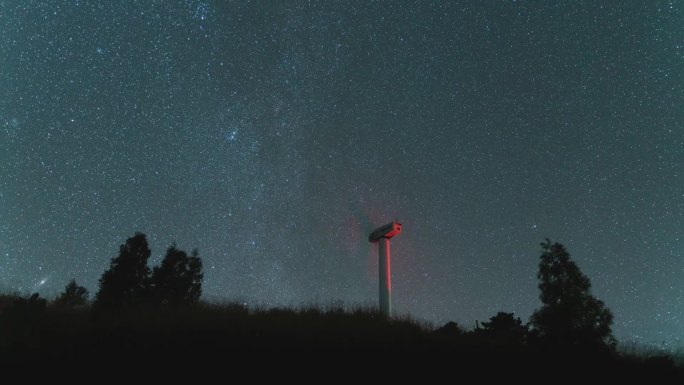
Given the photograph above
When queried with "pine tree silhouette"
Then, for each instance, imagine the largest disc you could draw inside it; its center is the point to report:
(127, 280)
(178, 280)
(570, 316)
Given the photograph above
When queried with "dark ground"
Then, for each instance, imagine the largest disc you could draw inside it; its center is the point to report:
(235, 341)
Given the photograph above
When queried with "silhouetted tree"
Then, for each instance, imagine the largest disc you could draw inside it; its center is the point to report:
(505, 328)
(570, 316)
(178, 280)
(127, 280)
(73, 295)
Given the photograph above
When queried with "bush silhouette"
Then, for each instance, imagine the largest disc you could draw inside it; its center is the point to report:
(127, 280)
(570, 316)
(21, 321)
(450, 331)
(505, 328)
(178, 280)
(73, 296)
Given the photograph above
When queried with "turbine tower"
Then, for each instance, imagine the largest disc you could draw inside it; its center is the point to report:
(382, 236)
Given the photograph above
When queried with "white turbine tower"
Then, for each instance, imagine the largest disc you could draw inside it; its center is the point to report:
(382, 236)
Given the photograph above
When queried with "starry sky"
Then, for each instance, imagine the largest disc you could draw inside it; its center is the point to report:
(275, 135)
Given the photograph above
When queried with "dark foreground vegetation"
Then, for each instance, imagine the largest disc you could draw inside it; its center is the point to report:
(154, 318)
(33, 331)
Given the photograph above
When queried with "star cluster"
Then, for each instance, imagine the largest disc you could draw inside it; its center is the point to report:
(274, 136)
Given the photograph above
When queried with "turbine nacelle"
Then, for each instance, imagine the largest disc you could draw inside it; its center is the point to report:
(387, 231)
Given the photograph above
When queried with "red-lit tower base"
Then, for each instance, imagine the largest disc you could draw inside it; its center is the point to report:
(382, 236)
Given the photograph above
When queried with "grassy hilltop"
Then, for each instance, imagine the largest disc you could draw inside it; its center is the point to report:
(34, 330)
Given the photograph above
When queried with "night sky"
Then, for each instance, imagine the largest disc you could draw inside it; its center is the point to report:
(274, 136)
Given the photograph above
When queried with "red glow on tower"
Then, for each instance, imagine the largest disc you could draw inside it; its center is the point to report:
(382, 236)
